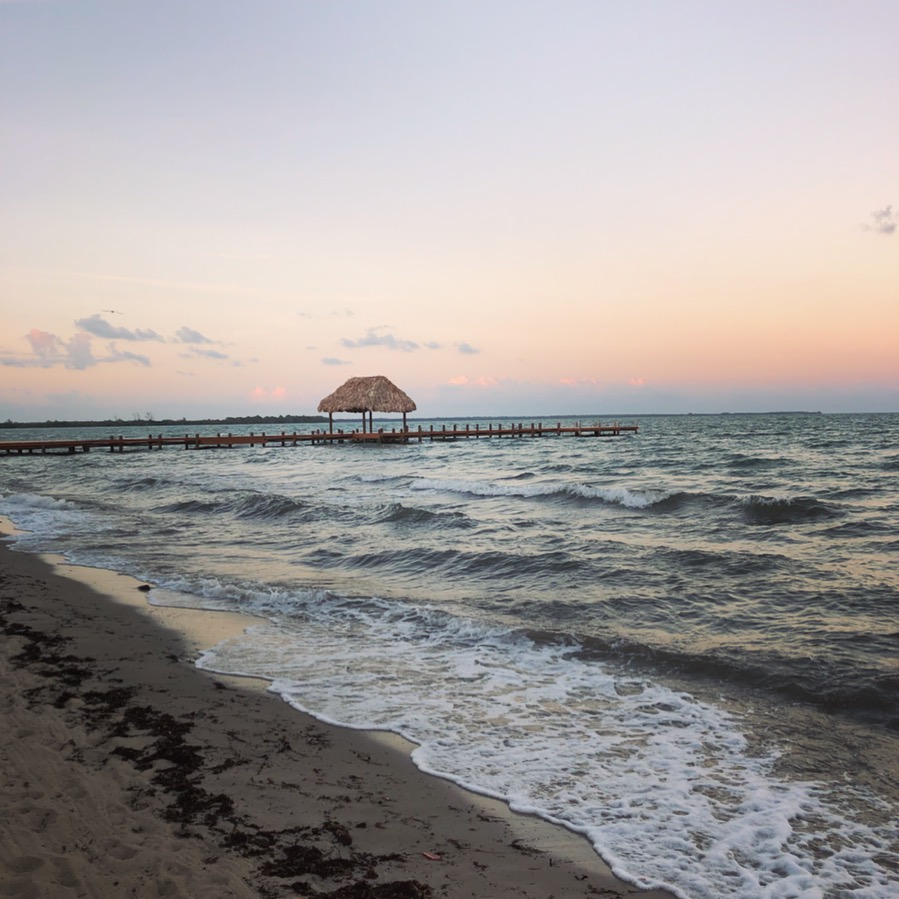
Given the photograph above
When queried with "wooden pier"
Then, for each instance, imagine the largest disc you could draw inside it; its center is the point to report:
(121, 444)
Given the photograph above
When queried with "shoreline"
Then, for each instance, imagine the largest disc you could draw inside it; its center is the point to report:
(127, 771)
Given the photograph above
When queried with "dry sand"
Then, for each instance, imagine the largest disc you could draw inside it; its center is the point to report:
(127, 772)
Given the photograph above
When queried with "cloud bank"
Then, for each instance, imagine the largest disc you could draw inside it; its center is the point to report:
(371, 338)
(391, 342)
(77, 352)
(99, 327)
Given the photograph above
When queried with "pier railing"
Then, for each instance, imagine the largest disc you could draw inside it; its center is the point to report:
(121, 444)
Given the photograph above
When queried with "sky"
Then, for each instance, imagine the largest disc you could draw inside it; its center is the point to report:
(225, 207)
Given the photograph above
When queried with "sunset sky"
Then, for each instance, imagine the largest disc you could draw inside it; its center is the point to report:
(507, 207)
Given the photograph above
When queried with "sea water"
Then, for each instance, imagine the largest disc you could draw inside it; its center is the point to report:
(683, 644)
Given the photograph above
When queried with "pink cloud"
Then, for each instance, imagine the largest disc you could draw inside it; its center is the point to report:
(463, 381)
(50, 350)
(44, 344)
(267, 395)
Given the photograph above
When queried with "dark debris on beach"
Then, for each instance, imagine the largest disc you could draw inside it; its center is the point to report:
(304, 861)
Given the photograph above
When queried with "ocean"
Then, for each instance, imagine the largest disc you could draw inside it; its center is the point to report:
(683, 643)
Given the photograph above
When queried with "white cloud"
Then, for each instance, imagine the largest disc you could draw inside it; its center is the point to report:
(883, 221)
(189, 335)
(80, 354)
(385, 340)
(99, 327)
(196, 353)
(117, 355)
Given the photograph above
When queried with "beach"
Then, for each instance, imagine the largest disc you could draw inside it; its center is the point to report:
(126, 771)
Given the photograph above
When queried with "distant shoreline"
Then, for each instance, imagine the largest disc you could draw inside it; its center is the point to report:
(315, 419)
(168, 422)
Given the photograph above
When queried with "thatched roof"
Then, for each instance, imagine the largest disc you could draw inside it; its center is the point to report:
(374, 394)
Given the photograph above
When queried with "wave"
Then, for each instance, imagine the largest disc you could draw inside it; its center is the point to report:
(36, 501)
(854, 691)
(723, 563)
(494, 566)
(842, 685)
(404, 515)
(139, 484)
(621, 496)
(192, 507)
(864, 528)
(44, 523)
(678, 500)
(765, 510)
(754, 509)
(397, 480)
(743, 463)
(268, 506)
(262, 506)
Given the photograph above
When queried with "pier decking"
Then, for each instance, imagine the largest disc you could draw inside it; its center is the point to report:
(121, 444)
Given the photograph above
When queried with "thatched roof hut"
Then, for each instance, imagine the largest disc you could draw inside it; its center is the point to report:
(372, 394)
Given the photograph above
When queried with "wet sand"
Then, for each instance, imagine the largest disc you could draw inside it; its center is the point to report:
(127, 772)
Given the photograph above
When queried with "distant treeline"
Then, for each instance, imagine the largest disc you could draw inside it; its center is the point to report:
(144, 422)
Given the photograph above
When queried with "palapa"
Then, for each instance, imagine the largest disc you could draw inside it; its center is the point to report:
(371, 394)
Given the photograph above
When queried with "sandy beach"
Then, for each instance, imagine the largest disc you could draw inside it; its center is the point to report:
(125, 771)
